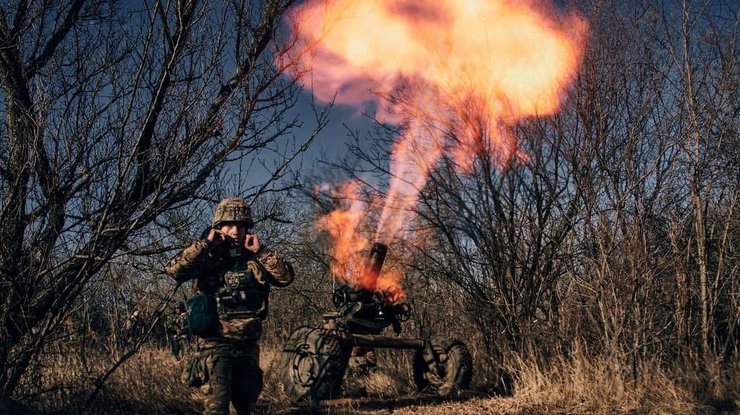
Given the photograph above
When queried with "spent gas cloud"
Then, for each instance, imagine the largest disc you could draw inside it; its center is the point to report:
(454, 75)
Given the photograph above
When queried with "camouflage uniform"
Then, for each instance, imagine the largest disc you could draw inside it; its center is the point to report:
(131, 328)
(177, 331)
(240, 282)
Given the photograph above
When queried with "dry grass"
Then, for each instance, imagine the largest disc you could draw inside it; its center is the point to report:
(580, 385)
(149, 383)
(391, 377)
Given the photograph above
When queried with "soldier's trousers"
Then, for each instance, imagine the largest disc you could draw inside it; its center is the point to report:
(234, 375)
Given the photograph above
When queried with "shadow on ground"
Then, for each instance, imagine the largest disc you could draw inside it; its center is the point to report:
(348, 406)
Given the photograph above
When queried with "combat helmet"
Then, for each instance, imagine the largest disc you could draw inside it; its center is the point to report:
(233, 210)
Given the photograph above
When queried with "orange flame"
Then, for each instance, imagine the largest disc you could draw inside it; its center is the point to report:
(350, 247)
(455, 74)
(343, 224)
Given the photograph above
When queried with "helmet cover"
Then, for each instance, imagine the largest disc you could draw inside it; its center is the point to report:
(235, 210)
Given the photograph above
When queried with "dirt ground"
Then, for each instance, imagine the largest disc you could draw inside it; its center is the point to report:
(468, 403)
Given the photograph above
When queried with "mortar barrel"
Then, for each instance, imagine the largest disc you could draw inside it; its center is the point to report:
(374, 263)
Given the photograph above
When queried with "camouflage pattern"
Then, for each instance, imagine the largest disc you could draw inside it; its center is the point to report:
(234, 375)
(208, 265)
(233, 210)
(231, 357)
(177, 332)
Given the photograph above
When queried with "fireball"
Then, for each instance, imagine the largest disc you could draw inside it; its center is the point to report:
(457, 75)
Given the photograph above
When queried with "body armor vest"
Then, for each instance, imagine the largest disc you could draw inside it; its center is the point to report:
(241, 295)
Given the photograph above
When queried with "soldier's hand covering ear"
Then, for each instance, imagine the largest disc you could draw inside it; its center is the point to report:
(216, 237)
(252, 243)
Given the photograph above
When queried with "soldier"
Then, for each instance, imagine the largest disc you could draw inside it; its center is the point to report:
(233, 272)
(131, 327)
(177, 331)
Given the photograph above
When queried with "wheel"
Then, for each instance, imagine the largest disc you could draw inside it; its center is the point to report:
(312, 364)
(443, 367)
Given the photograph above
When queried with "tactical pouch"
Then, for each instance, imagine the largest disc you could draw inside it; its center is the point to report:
(202, 317)
(194, 374)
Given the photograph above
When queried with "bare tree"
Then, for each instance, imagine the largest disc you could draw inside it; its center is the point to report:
(653, 160)
(701, 40)
(115, 117)
(620, 229)
(501, 234)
